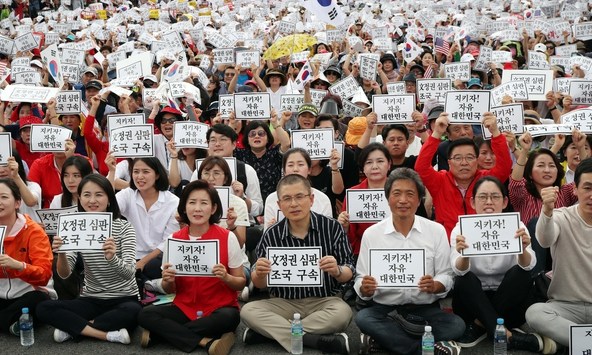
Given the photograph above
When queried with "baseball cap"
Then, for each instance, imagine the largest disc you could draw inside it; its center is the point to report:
(94, 84)
(91, 70)
(308, 108)
(473, 82)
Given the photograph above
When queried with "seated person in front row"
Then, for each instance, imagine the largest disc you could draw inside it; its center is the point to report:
(404, 230)
(323, 314)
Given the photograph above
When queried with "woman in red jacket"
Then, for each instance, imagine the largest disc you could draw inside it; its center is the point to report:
(25, 279)
(205, 310)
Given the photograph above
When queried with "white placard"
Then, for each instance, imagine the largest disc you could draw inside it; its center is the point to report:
(395, 88)
(467, 106)
(538, 82)
(68, 102)
(252, 106)
(49, 138)
(176, 89)
(246, 58)
(483, 60)
(6, 45)
(225, 105)
(136, 66)
(294, 267)
(31, 77)
(393, 108)
(350, 109)
(291, 102)
(25, 93)
(428, 89)
(114, 58)
(126, 119)
(5, 148)
(229, 160)
(317, 142)
(368, 67)
(537, 130)
(580, 339)
(501, 57)
(581, 92)
(340, 146)
(566, 50)
(316, 96)
(491, 234)
(515, 89)
(2, 235)
(579, 116)
(223, 56)
(49, 217)
(299, 57)
(132, 141)
(193, 257)
(458, 71)
(84, 231)
(583, 31)
(70, 72)
(509, 118)
(345, 88)
(224, 194)
(72, 56)
(190, 134)
(286, 27)
(25, 42)
(537, 60)
(367, 205)
(397, 268)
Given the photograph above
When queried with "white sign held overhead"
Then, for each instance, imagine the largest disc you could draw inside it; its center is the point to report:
(393, 108)
(5, 148)
(538, 82)
(132, 141)
(252, 106)
(467, 106)
(49, 138)
(190, 134)
(509, 118)
(317, 142)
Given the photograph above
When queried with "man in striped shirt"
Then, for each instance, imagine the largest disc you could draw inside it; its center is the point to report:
(323, 314)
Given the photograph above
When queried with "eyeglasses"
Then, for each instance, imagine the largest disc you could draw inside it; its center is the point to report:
(168, 120)
(485, 197)
(286, 200)
(214, 141)
(215, 174)
(253, 134)
(460, 158)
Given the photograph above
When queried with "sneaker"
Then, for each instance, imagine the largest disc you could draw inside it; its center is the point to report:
(145, 338)
(119, 336)
(368, 344)
(154, 286)
(529, 342)
(15, 329)
(244, 295)
(334, 344)
(251, 337)
(549, 346)
(222, 346)
(472, 336)
(59, 336)
(447, 348)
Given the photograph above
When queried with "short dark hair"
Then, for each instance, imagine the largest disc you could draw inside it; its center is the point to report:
(405, 174)
(106, 186)
(293, 179)
(224, 130)
(584, 167)
(369, 149)
(83, 166)
(568, 141)
(211, 191)
(479, 141)
(460, 142)
(529, 183)
(209, 163)
(254, 125)
(16, 193)
(162, 178)
(399, 127)
(325, 117)
(493, 179)
(295, 150)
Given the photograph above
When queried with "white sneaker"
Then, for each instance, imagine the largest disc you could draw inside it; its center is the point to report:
(154, 286)
(60, 336)
(244, 295)
(119, 336)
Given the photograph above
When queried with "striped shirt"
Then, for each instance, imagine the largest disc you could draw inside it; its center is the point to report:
(323, 232)
(530, 206)
(113, 278)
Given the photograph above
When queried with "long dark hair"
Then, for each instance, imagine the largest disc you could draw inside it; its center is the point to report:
(212, 193)
(106, 186)
(529, 183)
(83, 166)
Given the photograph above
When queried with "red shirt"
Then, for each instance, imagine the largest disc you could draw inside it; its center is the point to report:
(26, 154)
(44, 172)
(100, 148)
(356, 230)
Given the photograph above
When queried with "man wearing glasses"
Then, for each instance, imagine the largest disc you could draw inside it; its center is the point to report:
(451, 189)
(324, 316)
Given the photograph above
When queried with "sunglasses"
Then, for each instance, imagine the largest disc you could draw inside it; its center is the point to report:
(254, 134)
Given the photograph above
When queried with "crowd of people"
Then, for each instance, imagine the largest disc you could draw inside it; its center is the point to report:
(431, 168)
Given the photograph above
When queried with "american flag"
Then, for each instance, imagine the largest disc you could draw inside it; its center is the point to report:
(428, 72)
(2, 68)
(441, 46)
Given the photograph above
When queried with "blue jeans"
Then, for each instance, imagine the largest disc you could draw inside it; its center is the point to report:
(374, 321)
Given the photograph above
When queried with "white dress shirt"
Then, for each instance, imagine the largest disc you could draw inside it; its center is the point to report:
(321, 205)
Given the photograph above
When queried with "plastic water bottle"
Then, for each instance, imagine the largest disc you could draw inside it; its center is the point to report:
(297, 334)
(26, 327)
(199, 314)
(427, 341)
(500, 341)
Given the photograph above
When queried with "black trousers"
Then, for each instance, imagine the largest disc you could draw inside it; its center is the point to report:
(171, 324)
(11, 309)
(509, 301)
(72, 316)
